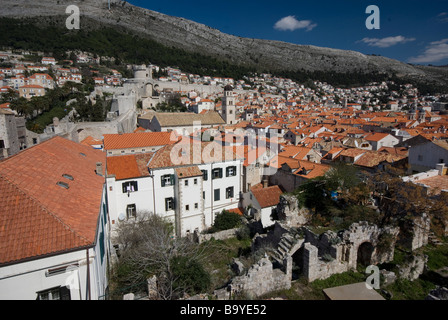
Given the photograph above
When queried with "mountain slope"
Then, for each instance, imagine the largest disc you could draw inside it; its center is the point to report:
(196, 37)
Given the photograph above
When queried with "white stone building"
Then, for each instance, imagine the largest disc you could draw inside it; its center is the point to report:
(187, 182)
(427, 155)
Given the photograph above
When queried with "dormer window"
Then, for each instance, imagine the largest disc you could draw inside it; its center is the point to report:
(67, 176)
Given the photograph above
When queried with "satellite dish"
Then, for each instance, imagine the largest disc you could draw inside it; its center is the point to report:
(121, 217)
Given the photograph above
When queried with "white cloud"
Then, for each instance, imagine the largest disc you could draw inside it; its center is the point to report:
(443, 17)
(386, 42)
(434, 52)
(291, 23)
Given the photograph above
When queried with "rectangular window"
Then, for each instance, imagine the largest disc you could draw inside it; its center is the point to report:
(169, 204)
(217, 195)
(204, 175)
(195, 181)
(167, 180)
(186, 183)
(420, 157)
(187, 207)
(229, 192)
(131, 186)
(59, 293)
(217, 173)
(231, 171)
(131, 211)
(196, 205)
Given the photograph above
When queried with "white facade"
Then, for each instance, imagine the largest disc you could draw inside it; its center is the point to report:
(426, 156)
(387, 141)
(193, 206)
(80, 274)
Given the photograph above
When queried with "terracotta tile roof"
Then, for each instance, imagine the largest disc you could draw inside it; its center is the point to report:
(310, 170)
(437, 183)
(39, 217)
(442, 143)
(374, 158)
(167, 119)
(398, 150)
(183, 153)
(267, 197)
(238, 211)
(377, 136)
(129, 166)
(188, 172)
(352, 152)
(138, 140)
(90, 141)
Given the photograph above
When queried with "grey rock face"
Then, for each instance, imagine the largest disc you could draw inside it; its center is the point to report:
(196, 37)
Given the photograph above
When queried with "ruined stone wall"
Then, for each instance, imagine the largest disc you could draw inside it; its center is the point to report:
(415, 233)
(262, 278)
(290, 212)
(270, 239)
(315, 267)
(221, 235)
(333, 253)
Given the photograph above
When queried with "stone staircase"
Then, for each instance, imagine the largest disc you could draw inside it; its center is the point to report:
(432, 238)
(285, 246)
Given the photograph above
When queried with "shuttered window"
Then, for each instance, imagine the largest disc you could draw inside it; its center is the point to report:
(131, 186)
(217, 173)
(167, 180)
(231, 171)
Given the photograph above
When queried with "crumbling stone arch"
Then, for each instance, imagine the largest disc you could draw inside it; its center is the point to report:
(365, 253)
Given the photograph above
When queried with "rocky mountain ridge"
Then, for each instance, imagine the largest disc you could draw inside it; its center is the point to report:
(196, 37)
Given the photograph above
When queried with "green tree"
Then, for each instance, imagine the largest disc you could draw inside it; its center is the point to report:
(148, 247)
(190, 275)
(22, 106)
(226, 220)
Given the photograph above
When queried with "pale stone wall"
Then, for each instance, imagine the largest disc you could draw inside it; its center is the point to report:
(416, 232)
(332, 253)
(221, 235)
(290, 213)
(262, 278)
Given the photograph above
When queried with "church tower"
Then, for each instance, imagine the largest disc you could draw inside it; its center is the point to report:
(228, 112)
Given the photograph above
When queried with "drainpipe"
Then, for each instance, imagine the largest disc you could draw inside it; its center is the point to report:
(88, 275)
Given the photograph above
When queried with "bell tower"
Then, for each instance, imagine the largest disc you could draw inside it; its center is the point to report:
(228, 106)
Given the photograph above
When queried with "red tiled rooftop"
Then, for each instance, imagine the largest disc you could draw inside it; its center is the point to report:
(40, 217)
(267, 197)
(138, 140)
(129, 166)
(188, 172)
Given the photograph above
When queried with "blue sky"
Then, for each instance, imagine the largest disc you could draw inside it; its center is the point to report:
(412, 31)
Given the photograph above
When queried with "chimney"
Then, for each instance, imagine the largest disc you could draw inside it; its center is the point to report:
(265, 183)
(441, 168)
(99, 169)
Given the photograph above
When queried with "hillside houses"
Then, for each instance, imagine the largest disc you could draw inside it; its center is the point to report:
(188, 166)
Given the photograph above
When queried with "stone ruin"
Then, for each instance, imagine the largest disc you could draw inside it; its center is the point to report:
(291, 249)
(320, 256)
(261, 278)
(290, 212)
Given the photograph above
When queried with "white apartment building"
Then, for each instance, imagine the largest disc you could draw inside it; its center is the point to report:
(181, 182)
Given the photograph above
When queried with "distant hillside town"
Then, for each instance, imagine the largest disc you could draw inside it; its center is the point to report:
(320, 179)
